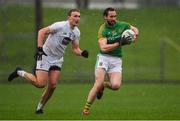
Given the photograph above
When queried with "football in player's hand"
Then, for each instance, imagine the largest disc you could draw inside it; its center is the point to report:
(129, 35)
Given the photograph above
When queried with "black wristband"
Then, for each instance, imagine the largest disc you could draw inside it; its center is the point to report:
(40, 49)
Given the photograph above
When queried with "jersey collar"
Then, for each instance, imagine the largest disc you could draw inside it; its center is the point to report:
(68, 23)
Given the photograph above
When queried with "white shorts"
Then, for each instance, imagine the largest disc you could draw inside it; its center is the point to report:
(109, 63)
(47, 62)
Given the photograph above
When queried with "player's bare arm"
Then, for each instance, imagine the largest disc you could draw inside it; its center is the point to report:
(78, 51)
(42, 34)
(107, 47)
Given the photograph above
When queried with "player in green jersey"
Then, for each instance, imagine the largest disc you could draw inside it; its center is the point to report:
(109, 59)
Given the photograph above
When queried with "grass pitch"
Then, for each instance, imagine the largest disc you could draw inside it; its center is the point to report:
(132, 101)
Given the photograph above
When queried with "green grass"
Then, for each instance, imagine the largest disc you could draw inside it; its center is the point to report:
(141, 60)
(132, 101)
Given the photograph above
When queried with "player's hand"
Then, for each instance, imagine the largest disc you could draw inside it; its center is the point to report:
(39, 53)
(125, 41)
(85, 53)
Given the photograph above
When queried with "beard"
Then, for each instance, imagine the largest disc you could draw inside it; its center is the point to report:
(111, 23)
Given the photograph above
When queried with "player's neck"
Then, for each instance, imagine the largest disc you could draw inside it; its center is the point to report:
(72, 26)
(110, 24)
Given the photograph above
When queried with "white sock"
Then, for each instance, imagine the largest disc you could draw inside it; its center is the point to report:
(40, 106)
(21, 73)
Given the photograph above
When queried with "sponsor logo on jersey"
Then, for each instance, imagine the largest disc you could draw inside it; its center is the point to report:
(41, 65)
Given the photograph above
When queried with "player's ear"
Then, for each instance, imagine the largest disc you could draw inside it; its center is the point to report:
(68, 17)
(105, 17)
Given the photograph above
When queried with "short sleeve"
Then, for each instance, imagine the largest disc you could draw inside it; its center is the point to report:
(127, 25)
(77, 35)
(100, 32)
(56, 26)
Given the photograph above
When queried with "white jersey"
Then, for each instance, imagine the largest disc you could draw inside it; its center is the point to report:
(61, 36)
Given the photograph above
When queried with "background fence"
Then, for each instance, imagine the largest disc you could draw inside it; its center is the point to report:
(155, 58)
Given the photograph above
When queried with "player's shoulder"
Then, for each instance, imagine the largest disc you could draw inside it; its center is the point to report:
(101, 32)
(102, 27)
(122, 23)
(76, 31)
(56, 25)
(60, 23)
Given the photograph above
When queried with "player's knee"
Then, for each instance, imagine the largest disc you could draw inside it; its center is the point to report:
(52, 86)
(98, 86)
(40, 84)
(116, 86)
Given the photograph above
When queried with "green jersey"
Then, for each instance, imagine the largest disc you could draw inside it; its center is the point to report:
(111, 33)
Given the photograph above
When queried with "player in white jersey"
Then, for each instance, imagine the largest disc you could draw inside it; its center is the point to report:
(50, 55)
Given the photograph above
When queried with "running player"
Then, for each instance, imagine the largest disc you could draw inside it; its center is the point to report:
(50, 55)
(109, 59)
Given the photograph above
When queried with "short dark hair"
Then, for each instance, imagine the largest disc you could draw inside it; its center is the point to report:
(105, 13)
(73, 10)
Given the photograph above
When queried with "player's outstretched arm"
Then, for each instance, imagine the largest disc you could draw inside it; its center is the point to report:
(78, 51)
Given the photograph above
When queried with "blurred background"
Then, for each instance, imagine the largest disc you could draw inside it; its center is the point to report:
(155, 58)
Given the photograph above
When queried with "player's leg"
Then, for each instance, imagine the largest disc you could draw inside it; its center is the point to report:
(115, 80)
(102, 62)
(38, 81)
(99, 79)
(54, 75)
(114, 74)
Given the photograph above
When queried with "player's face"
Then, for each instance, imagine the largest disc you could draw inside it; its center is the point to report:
(111, 18)
(74, 18)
